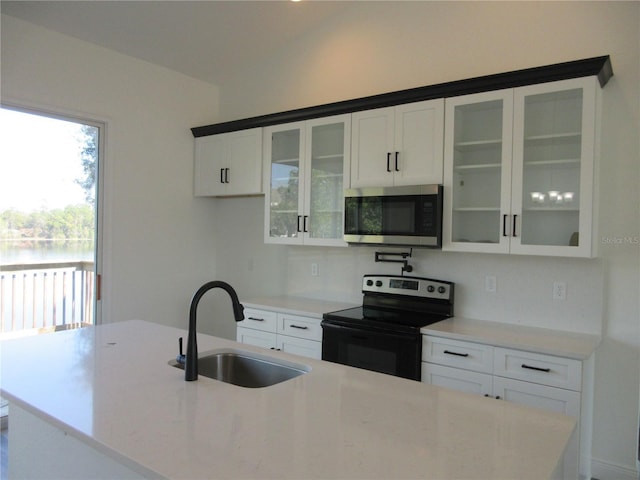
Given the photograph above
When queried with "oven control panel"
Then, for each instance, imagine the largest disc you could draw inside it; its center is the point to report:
(409, 286)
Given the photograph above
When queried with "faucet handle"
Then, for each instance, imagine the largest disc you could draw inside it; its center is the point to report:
(180, 358)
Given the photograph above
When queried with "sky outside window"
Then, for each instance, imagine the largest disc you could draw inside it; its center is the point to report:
(39, 162)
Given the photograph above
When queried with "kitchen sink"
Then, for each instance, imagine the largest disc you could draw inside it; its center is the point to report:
(245, 369)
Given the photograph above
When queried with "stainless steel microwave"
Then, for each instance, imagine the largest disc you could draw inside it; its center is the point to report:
(409, 215)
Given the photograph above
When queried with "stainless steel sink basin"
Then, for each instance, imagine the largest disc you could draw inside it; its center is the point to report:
(245, 369)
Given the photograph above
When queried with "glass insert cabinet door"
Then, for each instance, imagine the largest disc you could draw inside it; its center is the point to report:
(477, 178)
(325, 180)
(285, 150)
(554, 130)
(308, 172)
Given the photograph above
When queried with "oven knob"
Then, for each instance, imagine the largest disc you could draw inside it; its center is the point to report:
(378, 283)
(431, 289)
(441, 289)
(369, 283)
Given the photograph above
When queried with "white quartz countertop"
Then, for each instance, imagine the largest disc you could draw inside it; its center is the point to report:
(309, 307)
(578, 346)
(111, 387)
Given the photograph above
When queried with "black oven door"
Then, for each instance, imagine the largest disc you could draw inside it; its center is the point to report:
(393, 353)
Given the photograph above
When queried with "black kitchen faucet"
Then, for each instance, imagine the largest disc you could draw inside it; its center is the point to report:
(191, 359)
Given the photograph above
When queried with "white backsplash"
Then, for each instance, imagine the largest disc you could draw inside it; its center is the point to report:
(524, 284)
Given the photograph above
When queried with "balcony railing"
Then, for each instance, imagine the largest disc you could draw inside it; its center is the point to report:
(42, 297)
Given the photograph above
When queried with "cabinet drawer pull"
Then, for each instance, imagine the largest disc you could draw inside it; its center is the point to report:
(537, 369)
(299, 327)
(256, 319)
(448, 352)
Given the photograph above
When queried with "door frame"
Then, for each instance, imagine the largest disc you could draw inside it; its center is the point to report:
(101, 125)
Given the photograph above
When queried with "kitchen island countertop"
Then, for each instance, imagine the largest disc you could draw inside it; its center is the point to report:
(111, 388)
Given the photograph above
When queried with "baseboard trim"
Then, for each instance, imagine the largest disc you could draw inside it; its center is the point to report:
(602, 470)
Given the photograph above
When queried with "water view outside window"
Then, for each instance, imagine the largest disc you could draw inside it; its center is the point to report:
(47, 222)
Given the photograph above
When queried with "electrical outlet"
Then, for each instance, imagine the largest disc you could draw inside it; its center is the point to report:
(490, 284)
(314, 270)
(559, 290)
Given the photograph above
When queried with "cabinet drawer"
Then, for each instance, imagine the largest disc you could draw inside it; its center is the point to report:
(470, 356)
(538, 368)
(301, 327)
(457, 379)
(259, 320)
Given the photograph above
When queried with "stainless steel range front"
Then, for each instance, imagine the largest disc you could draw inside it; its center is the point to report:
(383, 334)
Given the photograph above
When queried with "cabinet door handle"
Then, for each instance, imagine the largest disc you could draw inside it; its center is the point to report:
(299, 218)
(222, 175)
(448, 352)
(514, 225)
(256, 319)
(537, 369)
(389, 162)
(397, 169)
(226, 175)
(504, 226)
(304, 223)
(299, 327)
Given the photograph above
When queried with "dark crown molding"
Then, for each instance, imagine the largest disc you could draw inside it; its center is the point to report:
(600, 66)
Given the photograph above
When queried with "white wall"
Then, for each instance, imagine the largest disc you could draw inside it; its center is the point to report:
(376, 47)
(156, 235)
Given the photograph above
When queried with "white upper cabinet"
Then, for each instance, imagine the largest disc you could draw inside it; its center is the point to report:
(229, 164)
(554, 163)
(519, 170)
(306, 168)
(477, 171)
(399, 145)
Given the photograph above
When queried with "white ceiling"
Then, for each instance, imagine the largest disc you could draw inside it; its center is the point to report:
(208, 40)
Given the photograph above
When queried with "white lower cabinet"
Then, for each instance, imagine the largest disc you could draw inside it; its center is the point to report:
(540, 396)
(457, 379)
(295, 334)
(537, 380)
(299, 346)
(257, 338)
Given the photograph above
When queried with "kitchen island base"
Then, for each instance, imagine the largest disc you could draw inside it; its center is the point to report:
(59, 454)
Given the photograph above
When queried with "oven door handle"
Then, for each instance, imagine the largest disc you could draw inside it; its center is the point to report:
(364, 333)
